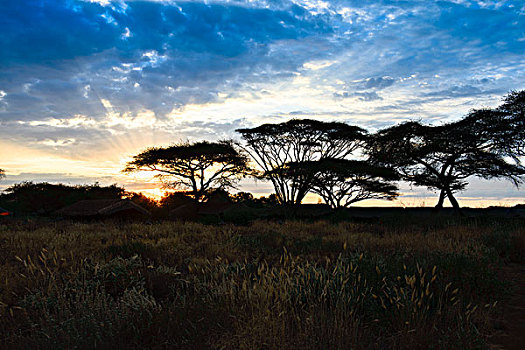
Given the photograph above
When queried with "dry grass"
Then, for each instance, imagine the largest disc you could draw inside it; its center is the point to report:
(398, 284)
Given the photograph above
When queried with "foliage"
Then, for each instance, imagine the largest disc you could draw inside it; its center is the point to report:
(243, 197)
(260, 202)
(141, 199)
(45, 198)
(172, 200)
(198, 167)
(443, 157)
(144, 201)
(342, 182)
(272, 146)
(509, 121)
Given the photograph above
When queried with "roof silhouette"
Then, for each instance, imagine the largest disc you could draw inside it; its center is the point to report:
(101, 207)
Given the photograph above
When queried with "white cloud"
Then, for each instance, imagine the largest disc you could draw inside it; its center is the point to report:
(316, 65)
(58, 143)
(134, 82)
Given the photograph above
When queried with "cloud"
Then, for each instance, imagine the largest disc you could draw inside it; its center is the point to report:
(457, 91)
(362, 96)
(377, 83)
(64, 57)
(366, 89)
(115, 76)
(54, 178)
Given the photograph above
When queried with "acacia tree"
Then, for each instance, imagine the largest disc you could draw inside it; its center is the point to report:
(342, 182)
(502, 129)
(272, 146)
(511, 116)
(198, 167)
(443, 157)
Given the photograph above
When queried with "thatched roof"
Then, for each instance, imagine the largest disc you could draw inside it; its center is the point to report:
(101, 207)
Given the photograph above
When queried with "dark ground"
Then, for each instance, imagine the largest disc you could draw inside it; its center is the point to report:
(511, 323)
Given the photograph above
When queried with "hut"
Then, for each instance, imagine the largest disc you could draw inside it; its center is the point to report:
(108, 208)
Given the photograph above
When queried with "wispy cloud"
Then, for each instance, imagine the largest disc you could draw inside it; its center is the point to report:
(78, 76)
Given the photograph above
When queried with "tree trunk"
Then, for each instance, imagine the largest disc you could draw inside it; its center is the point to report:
(299, 198)
(454, 202)
(442, 195)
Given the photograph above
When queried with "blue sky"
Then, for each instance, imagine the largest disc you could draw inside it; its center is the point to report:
(86, 84)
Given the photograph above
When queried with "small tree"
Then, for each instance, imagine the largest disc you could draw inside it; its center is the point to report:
(197, 167)
(144, 201)
(272, 146)
(172, 200)
(443, 157)
(342, 182)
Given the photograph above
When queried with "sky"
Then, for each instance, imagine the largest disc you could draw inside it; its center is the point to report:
(85, 85)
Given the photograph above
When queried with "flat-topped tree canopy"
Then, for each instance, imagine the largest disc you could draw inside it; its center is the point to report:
(513, 110)
(272, 146)
(443, 157)
(198, 167)
(317, 138)
(501, 129)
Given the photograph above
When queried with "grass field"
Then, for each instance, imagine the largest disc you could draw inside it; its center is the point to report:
(394, 283)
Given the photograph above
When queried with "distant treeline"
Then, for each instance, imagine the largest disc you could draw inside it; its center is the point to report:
(341, 163)
(45, 198)
(345, 164)
(28, 198)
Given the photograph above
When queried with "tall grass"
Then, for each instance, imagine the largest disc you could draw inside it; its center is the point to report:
(268, 285)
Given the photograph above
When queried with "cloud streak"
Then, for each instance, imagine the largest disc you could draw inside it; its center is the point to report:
(78, 76)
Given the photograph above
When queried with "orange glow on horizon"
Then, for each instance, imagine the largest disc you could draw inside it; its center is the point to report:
(106, 167)
(406, 202)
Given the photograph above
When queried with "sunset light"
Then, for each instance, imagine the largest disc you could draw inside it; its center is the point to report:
(262, 174)
(77, 113)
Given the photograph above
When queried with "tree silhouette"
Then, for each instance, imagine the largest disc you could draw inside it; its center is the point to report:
(272, 146)
(443, 157)
(172, 200)
(502, 129)
(197, 167)
(45, 198)
(342, 182)
(511, 116)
